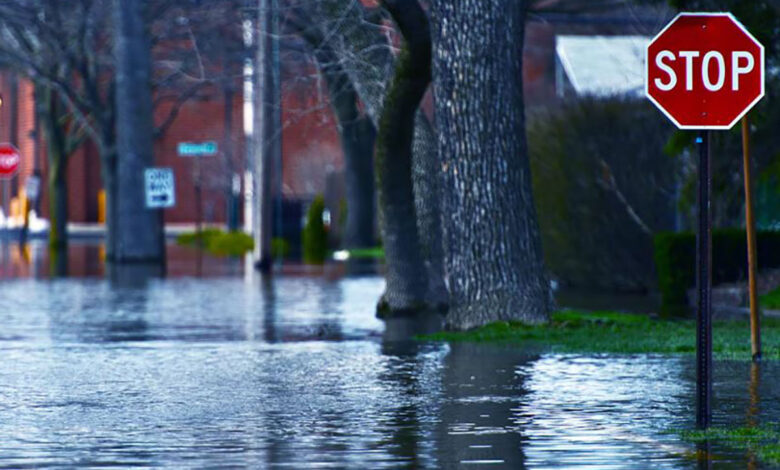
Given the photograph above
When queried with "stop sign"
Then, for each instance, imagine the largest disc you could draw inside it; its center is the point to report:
(704, 71)
(9, 160)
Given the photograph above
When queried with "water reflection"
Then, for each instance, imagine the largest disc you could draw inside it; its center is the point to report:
(134, 275)
(480, 419)
(414, 371)
(58, 264)
(704, 455)
(295, 371)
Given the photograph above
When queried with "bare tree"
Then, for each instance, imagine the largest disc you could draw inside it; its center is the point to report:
(51, 45)
(356, 130)
(66, 49)
(361, 40)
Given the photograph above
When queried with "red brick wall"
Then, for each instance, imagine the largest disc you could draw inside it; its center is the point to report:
(84, 183)
(25, 124)
(200, 121)
(311, 146)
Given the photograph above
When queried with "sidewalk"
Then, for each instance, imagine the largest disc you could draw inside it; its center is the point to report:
(97, 231)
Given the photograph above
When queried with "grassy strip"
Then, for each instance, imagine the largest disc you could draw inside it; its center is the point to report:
(217, 242)
(613, 332)
(764, 442)
(368, 253)
(771, 300)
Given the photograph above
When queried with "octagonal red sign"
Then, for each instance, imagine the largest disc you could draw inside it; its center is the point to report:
(9, 160)
(704, 71)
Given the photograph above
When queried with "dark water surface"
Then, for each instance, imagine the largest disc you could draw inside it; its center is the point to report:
(233, 370)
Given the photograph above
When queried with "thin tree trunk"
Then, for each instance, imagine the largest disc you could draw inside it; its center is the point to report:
(140, 234)
(231, 197)
(49, 111)
(108, 169)
(58, 199)
(406, 277)
(358, 137)
(358, 134)
(492, 243)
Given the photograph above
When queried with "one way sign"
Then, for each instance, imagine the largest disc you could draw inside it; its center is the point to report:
(160, 189)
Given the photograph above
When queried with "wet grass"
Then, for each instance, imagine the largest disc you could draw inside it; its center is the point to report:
(218, 242)
(771, 300)
(763, 442)
(622, 333)
(367, 253)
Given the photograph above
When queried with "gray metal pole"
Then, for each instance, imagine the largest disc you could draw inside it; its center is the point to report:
(704, 288)
(267, 127)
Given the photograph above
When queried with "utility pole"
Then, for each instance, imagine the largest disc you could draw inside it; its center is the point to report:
(267, 127)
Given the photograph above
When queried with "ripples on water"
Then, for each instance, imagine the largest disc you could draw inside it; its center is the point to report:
(297, 372)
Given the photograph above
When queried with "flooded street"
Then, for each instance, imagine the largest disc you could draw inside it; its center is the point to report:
(232, 370)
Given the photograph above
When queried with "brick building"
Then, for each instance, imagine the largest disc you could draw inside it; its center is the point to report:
(310, 142)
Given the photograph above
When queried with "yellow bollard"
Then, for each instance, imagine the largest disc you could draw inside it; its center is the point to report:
(102, 206)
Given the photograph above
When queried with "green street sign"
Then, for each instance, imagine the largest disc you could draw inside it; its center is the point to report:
(197, 149)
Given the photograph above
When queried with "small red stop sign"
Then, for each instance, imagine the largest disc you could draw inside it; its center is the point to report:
(704, 71)
(9, 160)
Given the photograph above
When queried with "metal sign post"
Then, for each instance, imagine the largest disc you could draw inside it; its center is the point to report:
(704, 288)
(198, 150)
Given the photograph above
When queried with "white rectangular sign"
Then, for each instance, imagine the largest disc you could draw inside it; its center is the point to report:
(32, 187)
(159, 188)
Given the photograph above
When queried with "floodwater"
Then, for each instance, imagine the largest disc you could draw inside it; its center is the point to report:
(217, 367)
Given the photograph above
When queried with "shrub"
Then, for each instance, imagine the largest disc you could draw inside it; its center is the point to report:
(315, 238)
(230, 244)
(280, 248)
(193, 238)
(675, 260)
(675, 257)
(219, 243)
(771, 300)
(595, 162)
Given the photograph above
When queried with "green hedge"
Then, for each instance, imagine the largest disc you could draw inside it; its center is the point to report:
(315, 238)
(675, 260)
(218, 243)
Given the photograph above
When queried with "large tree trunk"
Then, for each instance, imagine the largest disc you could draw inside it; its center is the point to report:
(426, 170)
(140, 234)
(492, 243)
(406, 277)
